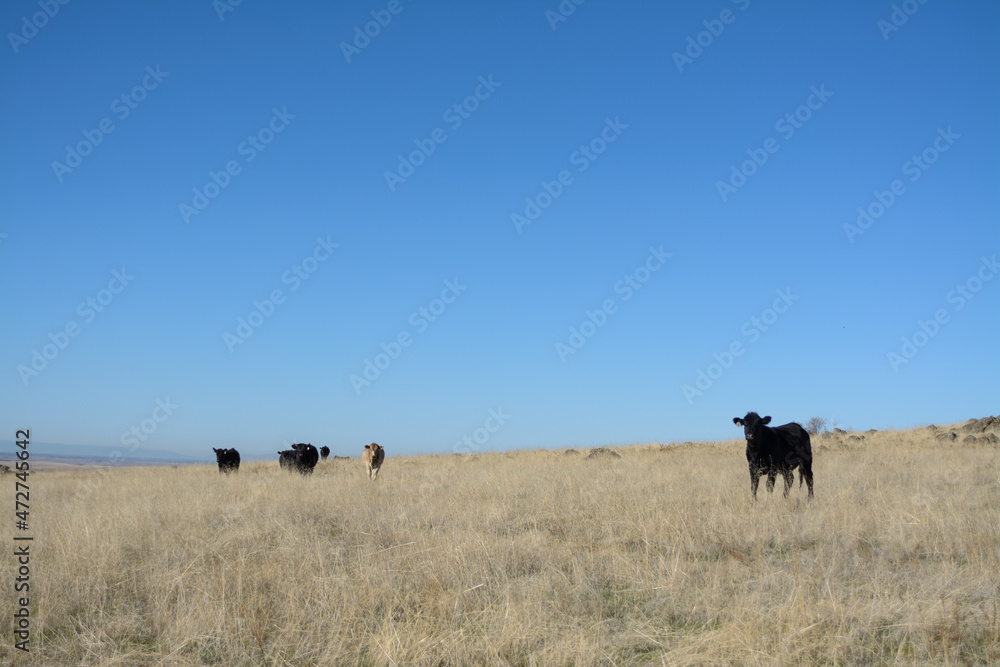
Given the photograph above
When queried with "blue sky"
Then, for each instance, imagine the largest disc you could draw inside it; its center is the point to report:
(697, 170)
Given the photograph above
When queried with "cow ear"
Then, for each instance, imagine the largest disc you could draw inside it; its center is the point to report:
(367, 446)
(765, 420)
(737, 421)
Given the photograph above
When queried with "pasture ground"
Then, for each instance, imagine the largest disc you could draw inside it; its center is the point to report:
(527, 558)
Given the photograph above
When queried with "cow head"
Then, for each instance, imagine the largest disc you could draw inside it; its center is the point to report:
(752, 425)
(220, 454)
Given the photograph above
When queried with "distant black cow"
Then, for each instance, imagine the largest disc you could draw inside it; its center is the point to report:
(773, 450)
(229, 460)
(286, 458)
(324, 452)
(304, 458)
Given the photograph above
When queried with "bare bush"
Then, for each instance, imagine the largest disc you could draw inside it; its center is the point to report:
(815, 426)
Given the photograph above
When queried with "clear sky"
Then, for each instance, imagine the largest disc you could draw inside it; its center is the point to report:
(524, 224)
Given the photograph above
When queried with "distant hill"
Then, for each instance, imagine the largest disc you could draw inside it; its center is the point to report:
(91, 455)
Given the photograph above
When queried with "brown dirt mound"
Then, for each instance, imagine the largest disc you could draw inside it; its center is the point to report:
(981, 425)
(598, 452)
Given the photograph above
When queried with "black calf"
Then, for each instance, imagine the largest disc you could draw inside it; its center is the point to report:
(773, 450)
(228, 459)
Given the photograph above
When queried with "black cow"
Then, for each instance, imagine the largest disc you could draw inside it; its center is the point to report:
(773, 450)
(324, 452)
(229, 460)
(304, 458)
(286, 458)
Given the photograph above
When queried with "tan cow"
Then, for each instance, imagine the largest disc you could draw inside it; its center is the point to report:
(373, 457)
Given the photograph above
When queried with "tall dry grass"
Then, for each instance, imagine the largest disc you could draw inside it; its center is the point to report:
(530, 558)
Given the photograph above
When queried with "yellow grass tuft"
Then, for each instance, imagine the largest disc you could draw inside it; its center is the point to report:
(530, 558)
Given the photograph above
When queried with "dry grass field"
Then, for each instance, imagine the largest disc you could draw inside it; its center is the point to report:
(658, 557)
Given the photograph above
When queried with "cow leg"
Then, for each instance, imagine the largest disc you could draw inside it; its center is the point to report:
(772, 475)
(789, 476)
(807, 473)
(754, 481)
